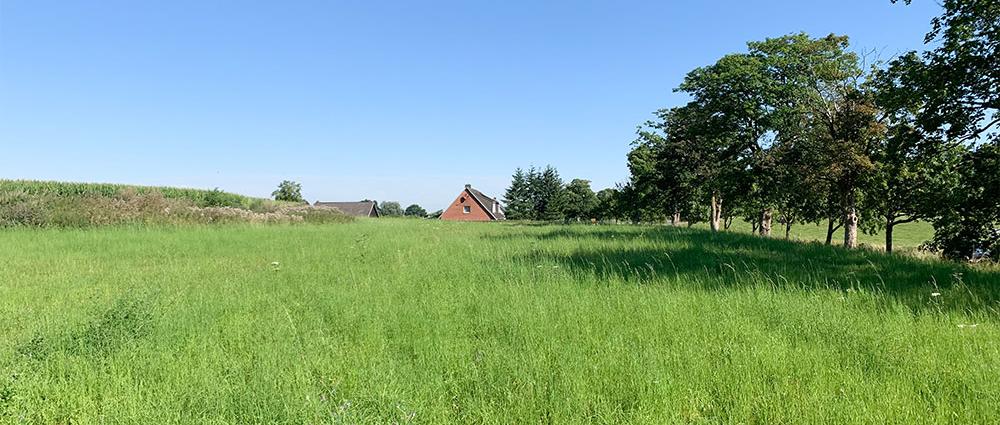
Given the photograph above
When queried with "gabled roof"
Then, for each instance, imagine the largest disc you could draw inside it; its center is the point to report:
(356, 209)
(487, 203)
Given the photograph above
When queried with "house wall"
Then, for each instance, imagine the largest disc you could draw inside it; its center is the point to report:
(455, 210)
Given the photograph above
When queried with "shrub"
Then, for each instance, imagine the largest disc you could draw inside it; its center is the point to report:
(415, 211)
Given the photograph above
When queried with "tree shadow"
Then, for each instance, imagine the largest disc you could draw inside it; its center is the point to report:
(699, 258)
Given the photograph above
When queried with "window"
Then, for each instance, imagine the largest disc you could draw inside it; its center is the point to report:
(466, 209)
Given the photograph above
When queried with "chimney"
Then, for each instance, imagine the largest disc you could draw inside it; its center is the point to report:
(468, 186)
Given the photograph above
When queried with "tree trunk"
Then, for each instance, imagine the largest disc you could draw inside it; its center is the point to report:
(829, 231)
(755, 226)
(675, 220)
(850, 227)
(888, 234)
(765, 222)
(788, 228)
(716, 212)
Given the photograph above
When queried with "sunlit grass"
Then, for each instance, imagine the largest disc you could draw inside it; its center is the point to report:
(428, 322)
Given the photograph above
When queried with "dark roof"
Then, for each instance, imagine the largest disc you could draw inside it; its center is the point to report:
(357, 209)
(487, 202)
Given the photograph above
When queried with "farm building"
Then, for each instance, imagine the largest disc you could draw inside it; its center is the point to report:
(473, 205)
(354, 209)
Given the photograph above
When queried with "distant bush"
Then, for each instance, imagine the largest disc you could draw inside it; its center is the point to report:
(390, 209)
(415, 211)
(218, 198)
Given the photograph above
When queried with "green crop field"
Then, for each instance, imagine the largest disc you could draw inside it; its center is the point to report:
(38, 188)
(423, 321)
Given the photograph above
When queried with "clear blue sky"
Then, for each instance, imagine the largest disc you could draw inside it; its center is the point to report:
(401, 101)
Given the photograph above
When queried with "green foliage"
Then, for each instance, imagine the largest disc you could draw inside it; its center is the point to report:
(948, 95)
(580, 200)
(415, 210)
(288, 191)
(536, 195)
(548, 194)
(970, 227)
(607, 207)
(390, 209)
(441, 322)
(955, 83)
(518, 203)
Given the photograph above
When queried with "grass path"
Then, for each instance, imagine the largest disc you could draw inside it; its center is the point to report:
(428, 322)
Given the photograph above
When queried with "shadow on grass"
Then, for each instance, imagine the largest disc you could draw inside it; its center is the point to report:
(714, 261)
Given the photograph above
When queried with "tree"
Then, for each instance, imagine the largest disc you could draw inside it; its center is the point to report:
(823, 105)
(415, 210)
(390, 209)
(953, 90)
(547, 193)
(734, 97)
(580, 200)
(436, 214)
(288, 191)
(518, 199)
(645, 181)
(956, 82)
(970, 228)
(914, 170)
(606, 208)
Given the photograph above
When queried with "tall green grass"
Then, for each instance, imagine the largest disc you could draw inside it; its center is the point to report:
(413, 321)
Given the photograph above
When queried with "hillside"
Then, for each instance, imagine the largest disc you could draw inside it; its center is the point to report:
(27, 203)
(200, 197)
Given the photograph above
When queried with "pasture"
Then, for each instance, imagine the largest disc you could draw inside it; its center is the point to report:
(423, 321)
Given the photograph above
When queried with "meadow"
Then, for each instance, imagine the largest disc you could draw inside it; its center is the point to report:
(423, 321)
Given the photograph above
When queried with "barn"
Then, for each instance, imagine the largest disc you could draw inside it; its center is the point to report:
(354, 209)
(473, 205)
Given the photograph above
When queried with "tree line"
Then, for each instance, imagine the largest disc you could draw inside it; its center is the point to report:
(541, 194)
(803, 130)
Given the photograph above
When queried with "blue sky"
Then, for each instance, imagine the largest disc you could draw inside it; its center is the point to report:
(401, 101)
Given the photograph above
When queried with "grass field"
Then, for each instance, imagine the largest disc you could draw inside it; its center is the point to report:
(422, 321)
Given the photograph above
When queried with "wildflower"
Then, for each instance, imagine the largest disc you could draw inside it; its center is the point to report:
(935, 294)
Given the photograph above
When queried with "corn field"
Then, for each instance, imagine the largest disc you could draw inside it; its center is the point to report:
(201, 198)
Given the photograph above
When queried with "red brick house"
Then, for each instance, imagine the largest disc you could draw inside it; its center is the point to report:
(473, 205)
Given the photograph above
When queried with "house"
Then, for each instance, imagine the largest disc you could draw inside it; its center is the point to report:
(473, 205)
(354, 209)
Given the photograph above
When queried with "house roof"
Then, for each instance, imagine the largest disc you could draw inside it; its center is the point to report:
(487, 203)
(357, 209)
